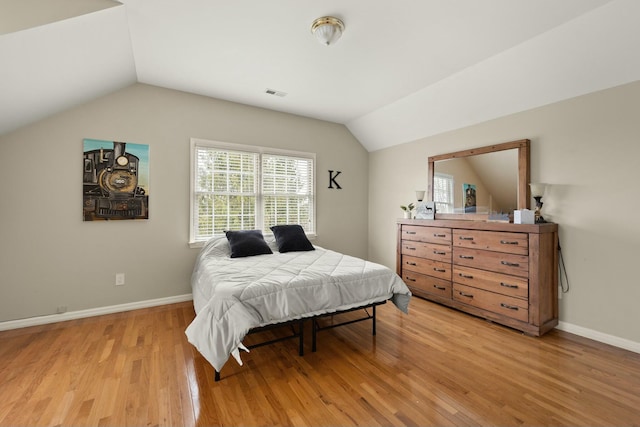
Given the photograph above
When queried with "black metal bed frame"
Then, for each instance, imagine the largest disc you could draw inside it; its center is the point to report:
(315, 328)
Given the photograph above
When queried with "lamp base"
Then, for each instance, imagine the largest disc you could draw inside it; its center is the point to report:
(538, 218)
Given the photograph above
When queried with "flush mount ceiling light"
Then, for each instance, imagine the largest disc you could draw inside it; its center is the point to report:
(327, 29)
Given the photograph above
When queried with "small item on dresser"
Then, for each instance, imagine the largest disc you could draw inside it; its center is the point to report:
(407, 210)
(524, 216)
(498, 217)
(426, 210)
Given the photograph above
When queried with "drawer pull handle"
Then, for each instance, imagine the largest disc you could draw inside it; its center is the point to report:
(507, 242)
(411, 263)
(507, 285)
(410, 279)
(466, 257)
(410, 248)
(439, 235)
(510, 264)
(440, 288)
(510, 307)
(410, 232)
(465, 238)
(439, 253)
(466, 295)
(439, 270)
(466, 276)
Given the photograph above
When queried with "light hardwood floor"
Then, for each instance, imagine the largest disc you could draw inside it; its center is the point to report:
(435, 366)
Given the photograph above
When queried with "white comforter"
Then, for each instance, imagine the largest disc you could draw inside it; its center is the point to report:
(233, 295)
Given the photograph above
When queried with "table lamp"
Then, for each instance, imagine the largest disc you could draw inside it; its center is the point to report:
(537, 191)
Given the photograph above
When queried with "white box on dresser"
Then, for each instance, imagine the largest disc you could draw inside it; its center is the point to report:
(507, 273)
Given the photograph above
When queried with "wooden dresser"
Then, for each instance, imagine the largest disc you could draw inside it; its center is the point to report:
(507, 273)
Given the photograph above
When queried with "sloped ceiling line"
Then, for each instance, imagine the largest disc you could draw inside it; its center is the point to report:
(436, 66)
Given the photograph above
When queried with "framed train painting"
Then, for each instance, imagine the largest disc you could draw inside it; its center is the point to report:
(469, 197)
(115, 180)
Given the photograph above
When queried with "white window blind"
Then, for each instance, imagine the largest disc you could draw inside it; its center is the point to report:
(225, 194)
(234, 189)
(443, 192)
(287, 190)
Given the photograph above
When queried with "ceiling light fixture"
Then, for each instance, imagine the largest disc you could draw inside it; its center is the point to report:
(327, 29)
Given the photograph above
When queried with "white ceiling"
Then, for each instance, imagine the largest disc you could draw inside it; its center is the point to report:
(402, 70)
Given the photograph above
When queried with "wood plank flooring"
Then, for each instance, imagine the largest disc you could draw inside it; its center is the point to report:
(435, 366)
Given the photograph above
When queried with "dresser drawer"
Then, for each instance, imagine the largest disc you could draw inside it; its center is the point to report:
(512, 243)
(513, 286)
(426, 234)
(429, 284)
(426, 250)
(514, 308)
(517, 265)
(441, 270)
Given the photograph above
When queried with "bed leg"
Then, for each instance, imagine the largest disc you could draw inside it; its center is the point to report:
(301, 349)
(314, 332)
(216, 376)
(373, 332)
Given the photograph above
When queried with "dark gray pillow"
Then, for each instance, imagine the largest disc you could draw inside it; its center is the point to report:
(247, 243)
(290, 238)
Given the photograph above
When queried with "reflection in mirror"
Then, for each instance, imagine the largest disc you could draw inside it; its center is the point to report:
(491, 181)
(481, 183)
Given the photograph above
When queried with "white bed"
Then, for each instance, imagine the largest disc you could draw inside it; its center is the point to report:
(231, 296)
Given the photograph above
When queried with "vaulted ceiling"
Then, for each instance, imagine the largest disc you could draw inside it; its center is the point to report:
(401, 71)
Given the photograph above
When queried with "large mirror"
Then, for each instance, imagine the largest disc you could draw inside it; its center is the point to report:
(481, 183)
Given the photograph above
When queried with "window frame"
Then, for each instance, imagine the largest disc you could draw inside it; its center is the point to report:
(253, 149)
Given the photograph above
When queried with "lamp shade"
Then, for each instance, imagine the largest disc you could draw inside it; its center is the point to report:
(327, 29)
(537, 189)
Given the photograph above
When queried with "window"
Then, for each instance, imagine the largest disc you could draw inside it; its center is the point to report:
(240, 187)
(443, 192)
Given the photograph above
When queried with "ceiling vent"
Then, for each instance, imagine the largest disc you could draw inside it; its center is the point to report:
(276, 93)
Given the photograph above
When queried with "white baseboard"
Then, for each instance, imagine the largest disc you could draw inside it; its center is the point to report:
(600, 336)
(71, 315)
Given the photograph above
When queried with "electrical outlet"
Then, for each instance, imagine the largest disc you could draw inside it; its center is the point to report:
(119, 279)
(61, 309)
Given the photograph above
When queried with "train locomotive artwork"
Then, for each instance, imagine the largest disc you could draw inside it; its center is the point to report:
(114, 181)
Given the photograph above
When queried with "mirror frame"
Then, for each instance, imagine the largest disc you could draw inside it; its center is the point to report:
(523, 147)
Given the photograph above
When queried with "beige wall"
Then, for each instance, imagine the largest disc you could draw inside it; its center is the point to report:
(49, 257)
(588, 149)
